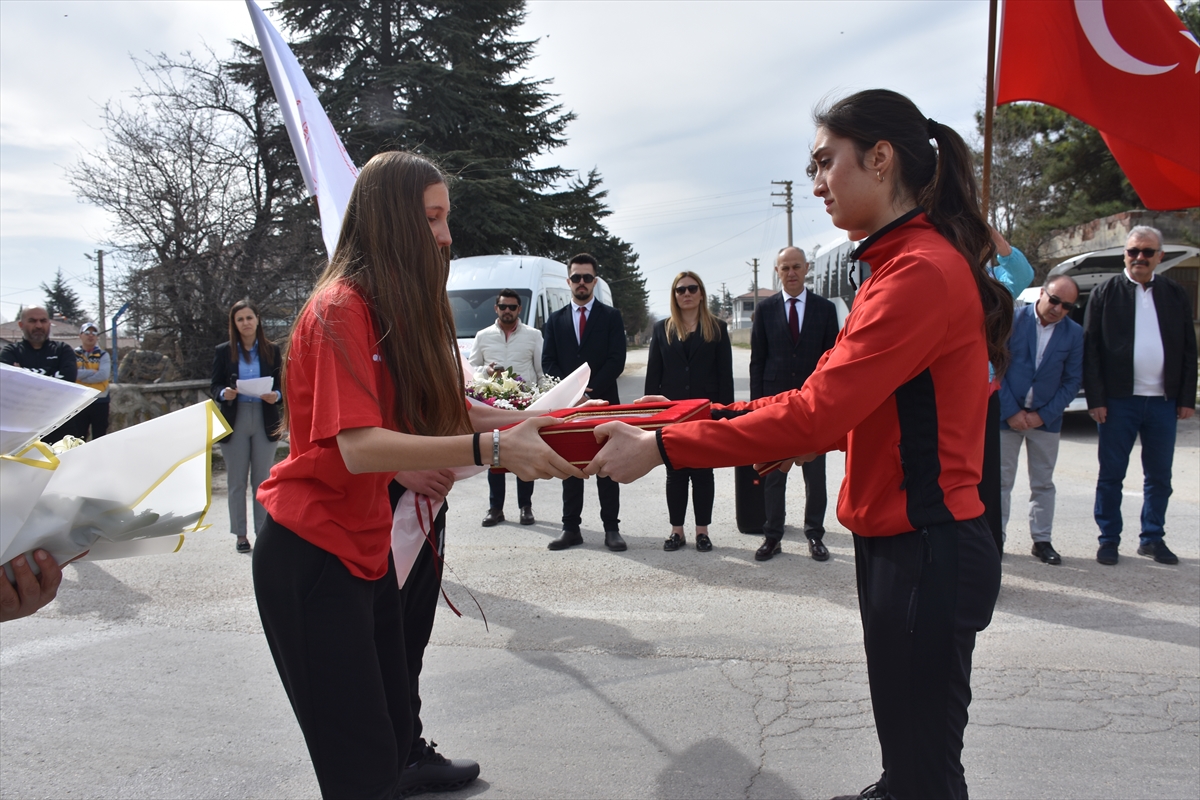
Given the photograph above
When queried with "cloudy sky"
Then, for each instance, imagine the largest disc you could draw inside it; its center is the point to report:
(688, 109)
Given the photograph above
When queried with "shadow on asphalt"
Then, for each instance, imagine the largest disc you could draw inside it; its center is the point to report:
(95, 593)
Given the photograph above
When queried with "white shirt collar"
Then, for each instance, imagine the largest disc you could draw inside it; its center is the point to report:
(575, 307)
(800, 297)
(1146, 286)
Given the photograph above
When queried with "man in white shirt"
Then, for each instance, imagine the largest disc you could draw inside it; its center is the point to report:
(1139, 375)
(508, 343)
(1043, 376)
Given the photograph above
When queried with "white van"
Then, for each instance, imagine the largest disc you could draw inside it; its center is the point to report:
(475, 282)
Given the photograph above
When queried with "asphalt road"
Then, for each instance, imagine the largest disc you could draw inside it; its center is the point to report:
(639, 674)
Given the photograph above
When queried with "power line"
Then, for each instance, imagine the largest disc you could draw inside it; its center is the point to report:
(689, 199)
(718, 244)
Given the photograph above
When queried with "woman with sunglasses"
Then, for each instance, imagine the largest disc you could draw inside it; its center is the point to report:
(904, 391)
(249, 451)
(690, 357)
(376, 411)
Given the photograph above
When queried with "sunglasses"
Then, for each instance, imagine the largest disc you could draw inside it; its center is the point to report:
(1145, 252)
(507, 306)
(1054, 301)
(689, 289)
(582, 276)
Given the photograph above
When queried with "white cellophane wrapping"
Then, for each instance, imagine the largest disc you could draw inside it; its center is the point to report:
(148, 481)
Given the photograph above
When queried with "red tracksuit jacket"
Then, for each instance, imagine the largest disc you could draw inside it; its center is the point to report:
(904, 392)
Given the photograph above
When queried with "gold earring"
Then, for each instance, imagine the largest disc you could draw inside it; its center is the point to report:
(879, 175)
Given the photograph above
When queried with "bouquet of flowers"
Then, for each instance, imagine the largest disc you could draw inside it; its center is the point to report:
(507, 389)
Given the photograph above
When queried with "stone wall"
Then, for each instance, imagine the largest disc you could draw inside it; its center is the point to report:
(133, 403)
(1178, 227)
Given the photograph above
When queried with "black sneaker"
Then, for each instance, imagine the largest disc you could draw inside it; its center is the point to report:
(430, 771)
(876, 791)
(1159, 552)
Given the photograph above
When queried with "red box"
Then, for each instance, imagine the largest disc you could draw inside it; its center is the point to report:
(574, 438)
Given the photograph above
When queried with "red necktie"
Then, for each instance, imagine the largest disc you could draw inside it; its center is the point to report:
(794, 321)
(582, 322)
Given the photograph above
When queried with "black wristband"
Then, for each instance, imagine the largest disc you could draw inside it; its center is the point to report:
(475, 447)
(662, 450)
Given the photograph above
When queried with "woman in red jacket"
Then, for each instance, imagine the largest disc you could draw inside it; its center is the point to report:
(904, 391)
(375, 408)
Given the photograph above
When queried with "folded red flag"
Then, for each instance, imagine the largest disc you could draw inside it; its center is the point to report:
(575, 437)
(1130, 69)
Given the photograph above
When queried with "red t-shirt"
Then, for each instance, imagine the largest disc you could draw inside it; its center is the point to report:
(336, 380)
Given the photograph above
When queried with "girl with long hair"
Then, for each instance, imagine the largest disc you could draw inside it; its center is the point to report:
(375, 410)
(250, 450)
(691, 356)
(904, 391)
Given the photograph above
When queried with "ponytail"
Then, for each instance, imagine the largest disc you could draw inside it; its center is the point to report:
(941, 180)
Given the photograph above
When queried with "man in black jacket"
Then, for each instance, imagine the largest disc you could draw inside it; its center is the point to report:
(587, 331)
(791, 331)
(1139, 375)
(37, 352)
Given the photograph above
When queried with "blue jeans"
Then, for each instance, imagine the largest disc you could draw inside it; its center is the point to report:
(1153, 418)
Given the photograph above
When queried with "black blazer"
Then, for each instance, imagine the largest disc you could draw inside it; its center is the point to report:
(708, 374)
(776, 365)
(603, 348)
(225, 375)
(1108, 323)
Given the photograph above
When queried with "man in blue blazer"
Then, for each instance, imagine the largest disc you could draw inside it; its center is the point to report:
(790, 333)
(587, 331)
(1042, 379)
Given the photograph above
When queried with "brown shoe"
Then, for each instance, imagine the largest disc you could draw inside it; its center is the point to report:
(494, 517)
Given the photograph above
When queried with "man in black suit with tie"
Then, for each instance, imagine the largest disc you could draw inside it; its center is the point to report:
(587, 331)
(791, 331)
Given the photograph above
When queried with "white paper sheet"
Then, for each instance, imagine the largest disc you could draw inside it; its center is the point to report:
(255, 387)
(32, 404)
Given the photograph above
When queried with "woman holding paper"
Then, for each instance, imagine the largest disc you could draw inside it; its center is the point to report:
(249, 356)
(904, 392)
(375, 392)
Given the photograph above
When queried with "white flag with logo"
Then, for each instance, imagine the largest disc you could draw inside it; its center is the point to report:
(328, 171)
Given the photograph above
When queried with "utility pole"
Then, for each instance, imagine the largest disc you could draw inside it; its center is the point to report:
(787, 203)
(99, 259)
(754, 264)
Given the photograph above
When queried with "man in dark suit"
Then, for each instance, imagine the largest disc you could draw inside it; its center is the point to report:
(791, 331)
(587, 331)
(1043, 376)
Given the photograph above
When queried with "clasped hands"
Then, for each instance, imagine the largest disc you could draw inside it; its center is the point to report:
(1025, 421)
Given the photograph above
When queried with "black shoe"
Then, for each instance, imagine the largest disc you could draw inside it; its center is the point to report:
(1046, 552)
(433, 772)
(494, 517)
(818, 550)
(770, 548)
(1107, 554)
(243, 546)
(703, 543)
(674, 542)
(567, 539)
(1159, 552)
(876, 791)
(527, 515)
(613, 541)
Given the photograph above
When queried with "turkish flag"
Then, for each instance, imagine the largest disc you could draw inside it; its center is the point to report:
(1129, 68)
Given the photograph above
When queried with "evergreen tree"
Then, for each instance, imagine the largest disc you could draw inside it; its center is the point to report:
(436, 77)
(62, 300)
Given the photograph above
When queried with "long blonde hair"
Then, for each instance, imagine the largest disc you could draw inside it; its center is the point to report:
(387, 252)
(707, 323)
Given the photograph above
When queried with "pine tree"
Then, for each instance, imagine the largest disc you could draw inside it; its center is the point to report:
(436, 78)
(62, 300)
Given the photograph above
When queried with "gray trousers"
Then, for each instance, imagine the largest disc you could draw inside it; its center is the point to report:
(1041, 454)
(247, 453)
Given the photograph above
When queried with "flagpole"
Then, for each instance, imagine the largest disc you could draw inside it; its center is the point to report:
(989, 108)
